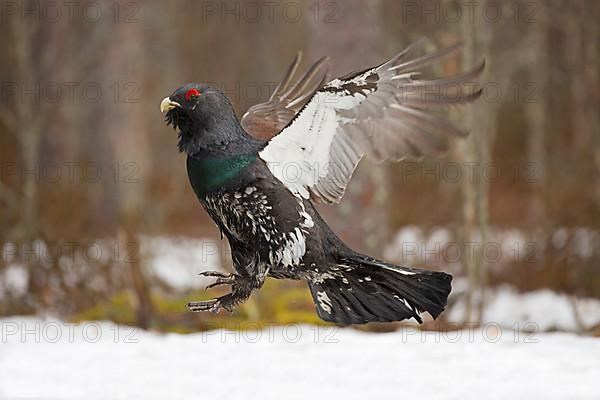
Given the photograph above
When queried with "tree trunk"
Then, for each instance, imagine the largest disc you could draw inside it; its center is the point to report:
(30, 131)
(575, 51)
(535, 113)
(592, 59)
(353, 33)
(481, 120)
(127, 132)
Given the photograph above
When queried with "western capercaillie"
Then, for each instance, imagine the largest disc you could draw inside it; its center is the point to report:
(239, 172)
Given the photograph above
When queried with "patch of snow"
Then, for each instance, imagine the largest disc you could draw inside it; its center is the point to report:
(413, 245)
(14, 280)
(440, 237)
(511, 241)
(406, 245)
(583, 242)
(542, 310)
(177, 261)
(559, 238)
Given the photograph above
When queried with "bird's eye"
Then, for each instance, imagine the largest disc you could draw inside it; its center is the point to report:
(192, 93)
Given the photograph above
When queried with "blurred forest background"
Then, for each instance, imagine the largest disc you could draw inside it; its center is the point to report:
(97, 218)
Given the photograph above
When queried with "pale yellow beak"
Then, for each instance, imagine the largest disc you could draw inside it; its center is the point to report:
(168, 104)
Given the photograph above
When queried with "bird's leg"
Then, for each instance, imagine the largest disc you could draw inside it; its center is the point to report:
(241, 288)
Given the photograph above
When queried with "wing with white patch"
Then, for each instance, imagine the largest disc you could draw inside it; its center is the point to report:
(383, 112)
(265, 120)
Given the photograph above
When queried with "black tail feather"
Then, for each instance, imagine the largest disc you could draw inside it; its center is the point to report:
(359, 289)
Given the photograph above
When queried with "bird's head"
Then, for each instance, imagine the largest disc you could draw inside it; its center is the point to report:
(204, 118)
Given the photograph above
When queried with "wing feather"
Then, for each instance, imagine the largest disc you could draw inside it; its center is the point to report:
(384, 113)
(265, 120)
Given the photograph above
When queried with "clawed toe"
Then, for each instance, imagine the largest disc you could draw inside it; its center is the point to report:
(240, 291)
(226, 302)
(215, 274)
(219, 282)
(200, 306)
(222, 279)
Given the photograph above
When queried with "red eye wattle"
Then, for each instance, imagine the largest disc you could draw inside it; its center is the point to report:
(191, 93)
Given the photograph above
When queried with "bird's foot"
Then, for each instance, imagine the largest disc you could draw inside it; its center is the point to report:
(240, 290)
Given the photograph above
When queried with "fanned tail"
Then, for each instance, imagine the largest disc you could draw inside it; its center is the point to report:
(360, 289)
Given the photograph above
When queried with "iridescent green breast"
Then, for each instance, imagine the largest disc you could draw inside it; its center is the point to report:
(209, 174)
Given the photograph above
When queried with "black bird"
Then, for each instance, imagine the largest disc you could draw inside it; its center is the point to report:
(257, 178)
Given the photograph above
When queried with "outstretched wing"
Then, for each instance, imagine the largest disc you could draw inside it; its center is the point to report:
(267, 119)
(385, 112)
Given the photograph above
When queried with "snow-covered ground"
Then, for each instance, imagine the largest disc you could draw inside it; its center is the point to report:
(53, 360)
